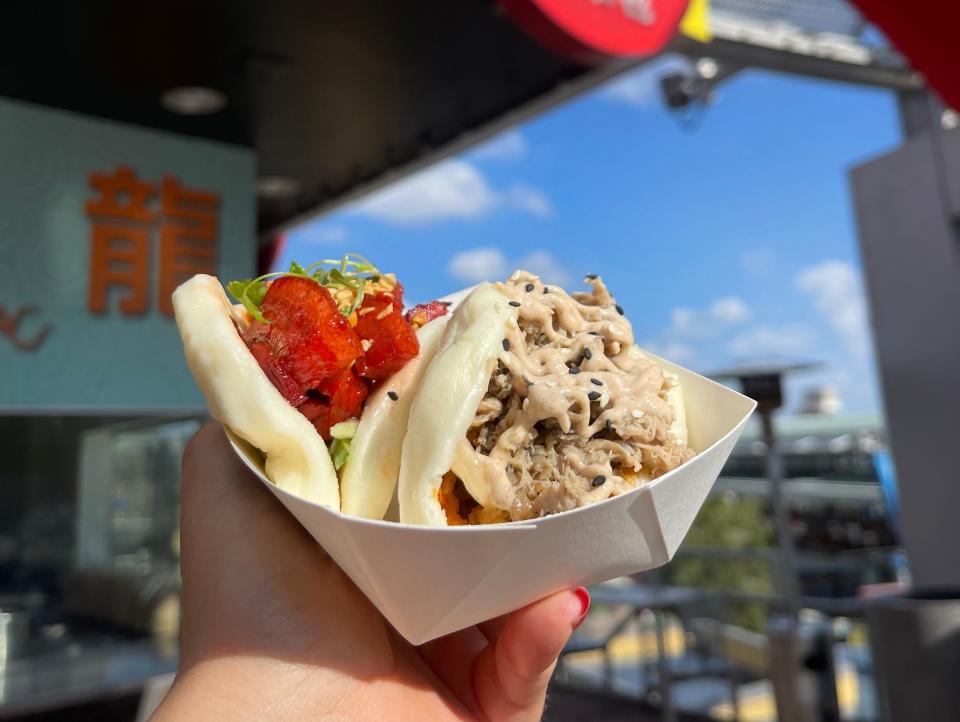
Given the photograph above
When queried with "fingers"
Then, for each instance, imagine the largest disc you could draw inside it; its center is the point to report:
(236, 539)
(492, 627)
(452, 659)
(511, 674)
(221, 499)
(213, 474)
(227, 513)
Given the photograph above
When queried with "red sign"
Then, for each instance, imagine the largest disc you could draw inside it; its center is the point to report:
(592, 31)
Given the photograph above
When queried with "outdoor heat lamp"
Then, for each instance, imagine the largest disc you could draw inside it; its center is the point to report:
(763, 382)
(766, 390)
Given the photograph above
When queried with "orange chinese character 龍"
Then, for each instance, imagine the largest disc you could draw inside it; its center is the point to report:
(188, 237)
(120, 240)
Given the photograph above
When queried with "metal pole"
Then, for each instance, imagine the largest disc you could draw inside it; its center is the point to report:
(731, 668)
(921, 111)
(793, 686)
(734, 695)
(782, 633)
(781, 516)
(821, 663)
(663, 667)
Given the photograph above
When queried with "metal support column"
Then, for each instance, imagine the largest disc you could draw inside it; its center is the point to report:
(663, 668)
(787, 572)
(908, 214)
(921, 112)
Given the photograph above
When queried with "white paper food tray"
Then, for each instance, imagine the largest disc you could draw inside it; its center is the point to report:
(430, 581)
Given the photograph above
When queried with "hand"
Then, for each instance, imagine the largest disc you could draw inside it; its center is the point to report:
(272, 629)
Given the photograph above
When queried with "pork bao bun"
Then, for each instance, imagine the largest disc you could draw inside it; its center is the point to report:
(536, 402)
(297, 458)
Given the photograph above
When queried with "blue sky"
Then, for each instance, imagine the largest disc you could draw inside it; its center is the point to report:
(729, 241)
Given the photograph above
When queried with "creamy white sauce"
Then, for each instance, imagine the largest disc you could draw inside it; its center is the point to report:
(545, 439)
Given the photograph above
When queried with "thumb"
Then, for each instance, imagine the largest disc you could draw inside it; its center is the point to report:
(511, 674)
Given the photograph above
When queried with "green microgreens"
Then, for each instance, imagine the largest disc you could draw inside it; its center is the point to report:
(339, 452)
(351, 272)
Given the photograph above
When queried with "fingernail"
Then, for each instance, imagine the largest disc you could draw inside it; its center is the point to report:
(583, 596)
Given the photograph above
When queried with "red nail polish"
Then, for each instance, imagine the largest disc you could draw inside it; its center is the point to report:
(583, 596)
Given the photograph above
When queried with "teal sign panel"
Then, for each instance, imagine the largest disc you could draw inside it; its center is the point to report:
(99, 221)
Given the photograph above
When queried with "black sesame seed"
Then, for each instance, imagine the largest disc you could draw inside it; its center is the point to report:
(515, 304)
(528, 287)
(445, 303)
(596, 382)
(574, 370)
(393, 395)
(594, 333)
(599, 480)
(587, 353)
(619, 309)
(593, 395)
(506, 344)
(546, 289)
(591, 276)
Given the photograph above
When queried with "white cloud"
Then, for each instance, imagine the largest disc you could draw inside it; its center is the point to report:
(836, 289)
(450, 189)
(321, 234)
(489, 264)
(786, 340)
(529, 200)
(509, 145)
(701, 323)
(729, 310)
(682, 319)
(638, 89)
(758, 262)
(478, 264)
(545, 265)
(675, 351)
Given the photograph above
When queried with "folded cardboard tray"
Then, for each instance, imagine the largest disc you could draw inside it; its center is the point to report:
(430, 581)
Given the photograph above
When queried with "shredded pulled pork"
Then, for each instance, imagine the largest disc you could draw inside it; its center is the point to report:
(574, 413)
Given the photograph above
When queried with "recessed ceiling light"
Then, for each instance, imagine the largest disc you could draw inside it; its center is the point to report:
(193, 100)
(276, 187)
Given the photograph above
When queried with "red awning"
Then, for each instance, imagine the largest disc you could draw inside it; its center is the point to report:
(927, 32)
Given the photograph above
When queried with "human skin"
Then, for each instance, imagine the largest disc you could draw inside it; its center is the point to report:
(273, 629)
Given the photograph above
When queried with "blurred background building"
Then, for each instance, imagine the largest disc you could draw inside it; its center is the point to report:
(734, 175)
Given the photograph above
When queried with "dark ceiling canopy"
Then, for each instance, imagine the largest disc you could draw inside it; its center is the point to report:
(330, 93)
